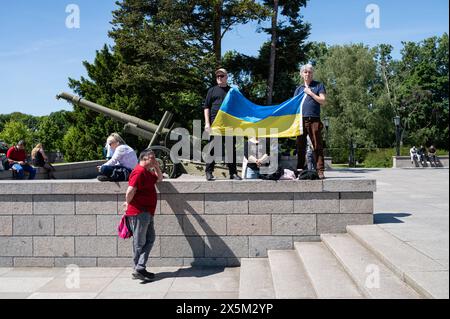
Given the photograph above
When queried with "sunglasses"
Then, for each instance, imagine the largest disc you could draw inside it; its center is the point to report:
(220, 76)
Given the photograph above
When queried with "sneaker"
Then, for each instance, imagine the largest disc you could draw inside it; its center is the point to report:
(103, 178)
(321, 175)
(210, 176)
(236, 177)
(143, 275)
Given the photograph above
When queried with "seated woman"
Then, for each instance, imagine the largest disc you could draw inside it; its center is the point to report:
(119, 167)
(40, 159)
(256, 155)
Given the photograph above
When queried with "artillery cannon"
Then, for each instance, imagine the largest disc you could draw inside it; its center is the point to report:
(137, 127)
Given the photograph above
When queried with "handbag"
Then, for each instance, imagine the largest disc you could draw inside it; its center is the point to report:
(124, 229)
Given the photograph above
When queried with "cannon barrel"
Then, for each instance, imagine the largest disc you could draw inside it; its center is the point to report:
(118, 116)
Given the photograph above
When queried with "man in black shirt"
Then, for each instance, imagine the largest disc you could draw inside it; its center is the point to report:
(213, 101)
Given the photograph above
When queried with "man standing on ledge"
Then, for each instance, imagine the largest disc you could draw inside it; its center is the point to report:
(140, 209)
(312, 126)
(213, 101)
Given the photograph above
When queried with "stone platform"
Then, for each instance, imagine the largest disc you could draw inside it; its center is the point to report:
(61, 222)
(405, 162)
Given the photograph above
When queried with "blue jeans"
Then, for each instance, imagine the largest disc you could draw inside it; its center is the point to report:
(21, 169)
(143, 228)
(108, 170)
(252, 174)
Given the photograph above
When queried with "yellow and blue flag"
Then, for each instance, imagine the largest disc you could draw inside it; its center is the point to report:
(240, 117)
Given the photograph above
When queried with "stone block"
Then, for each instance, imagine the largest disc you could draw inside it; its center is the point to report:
(260, 186)
(54, 246)
(194, 187)
(346, 185)
(6, 262)
(16, 204)
(95, 246)
(356, 203)
(182, 204)
(34, 262)
(244, 225)
(33, 225)
(306, 239)
(316, 203)
(75, 225)
(114, 262)
(6, 226)
(125, 247)
(290, 225)
(97, 204)
(337, 223)
(230, 246)
(224, 204)
(80, 262)
(16, 246)
(180, 246)
(205, 225)
(271, 203)
(258, 245)
(54, 204)
(169, 225)
(107, 224)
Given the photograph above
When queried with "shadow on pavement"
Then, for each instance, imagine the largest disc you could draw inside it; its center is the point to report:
(389, 218)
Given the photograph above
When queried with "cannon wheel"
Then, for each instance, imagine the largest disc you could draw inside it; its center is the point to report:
(162, 155)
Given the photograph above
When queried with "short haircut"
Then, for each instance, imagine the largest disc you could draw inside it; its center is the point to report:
(307, 66)
(21, 142)
(116, 137)
(145, 153)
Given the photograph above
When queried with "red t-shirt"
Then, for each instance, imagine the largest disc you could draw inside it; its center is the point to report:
(145, 198)
(16, 154)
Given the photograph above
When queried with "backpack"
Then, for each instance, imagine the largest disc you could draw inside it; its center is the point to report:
(275, 176)
(120, 174)
(308, 175)
(5, 164)
(124, 229)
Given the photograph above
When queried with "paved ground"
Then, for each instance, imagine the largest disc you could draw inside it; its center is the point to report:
(412, 204)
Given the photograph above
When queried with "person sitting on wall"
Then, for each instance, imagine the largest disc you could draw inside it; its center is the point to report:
(124, 160)
(413, 154)
(40, 159)
(432, 156)
(17, 160)
(423, 156)
(256, 153)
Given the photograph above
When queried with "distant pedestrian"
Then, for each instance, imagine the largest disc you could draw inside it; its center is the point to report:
(140, 207)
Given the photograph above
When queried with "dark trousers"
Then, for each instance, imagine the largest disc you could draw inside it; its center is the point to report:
(108, 170)
(225, 140)
(312, 127)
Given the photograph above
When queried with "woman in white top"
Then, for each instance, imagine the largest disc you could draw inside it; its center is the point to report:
(121, 164)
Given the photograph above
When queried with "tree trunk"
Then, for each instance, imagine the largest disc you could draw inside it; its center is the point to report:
(217, 41)
(273, 51)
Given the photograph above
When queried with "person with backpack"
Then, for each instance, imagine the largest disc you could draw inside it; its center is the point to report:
(119, 167)
(140, 207)
(17, 161)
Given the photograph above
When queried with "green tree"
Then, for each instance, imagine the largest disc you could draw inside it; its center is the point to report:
(349, 73)
(15, 131)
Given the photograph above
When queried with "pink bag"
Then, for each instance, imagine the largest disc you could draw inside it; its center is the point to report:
(124, 229)
(288, 175)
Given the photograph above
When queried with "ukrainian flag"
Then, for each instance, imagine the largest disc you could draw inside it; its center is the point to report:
(240, 117)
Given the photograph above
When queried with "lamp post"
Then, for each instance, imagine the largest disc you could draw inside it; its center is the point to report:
(326, 122)
(397, 133)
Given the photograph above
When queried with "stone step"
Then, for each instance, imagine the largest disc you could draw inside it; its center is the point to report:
(374, 279)
(415, 268)
(327, 276)
(256, 279)
(290, 280)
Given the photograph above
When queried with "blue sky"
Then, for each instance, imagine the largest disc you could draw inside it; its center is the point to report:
(38, 53)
